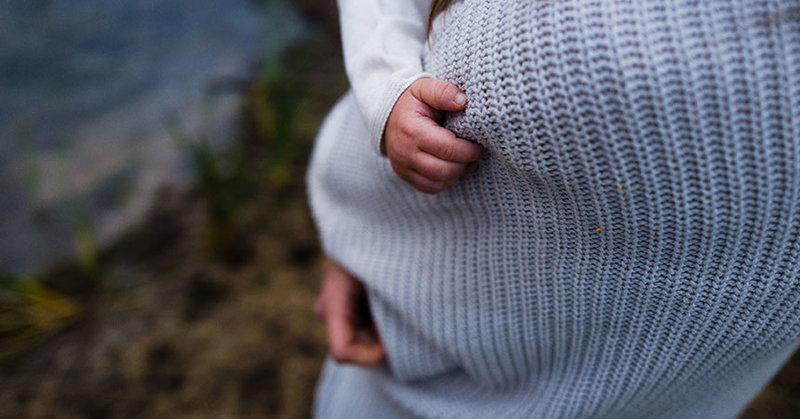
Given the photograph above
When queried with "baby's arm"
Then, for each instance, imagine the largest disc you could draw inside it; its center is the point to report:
(383, 42)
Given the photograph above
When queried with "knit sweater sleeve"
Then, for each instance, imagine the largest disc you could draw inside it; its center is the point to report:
(382, 42)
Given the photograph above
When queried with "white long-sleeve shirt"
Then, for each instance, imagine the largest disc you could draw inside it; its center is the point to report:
(382, 42)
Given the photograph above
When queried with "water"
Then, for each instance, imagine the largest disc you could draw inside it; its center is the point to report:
(87, 86)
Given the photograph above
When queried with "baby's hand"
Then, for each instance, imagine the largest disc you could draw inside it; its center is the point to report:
(424, 154)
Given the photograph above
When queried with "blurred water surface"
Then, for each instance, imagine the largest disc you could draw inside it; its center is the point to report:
(87, 87)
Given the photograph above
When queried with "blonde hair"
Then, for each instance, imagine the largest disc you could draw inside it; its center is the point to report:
(438, 6)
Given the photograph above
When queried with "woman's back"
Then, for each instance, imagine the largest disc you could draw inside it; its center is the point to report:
(628, 248)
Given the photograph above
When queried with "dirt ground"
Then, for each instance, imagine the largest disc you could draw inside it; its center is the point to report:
(174, 334)
(179, 328)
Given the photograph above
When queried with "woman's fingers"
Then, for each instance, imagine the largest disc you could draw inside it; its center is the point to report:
(352, 338)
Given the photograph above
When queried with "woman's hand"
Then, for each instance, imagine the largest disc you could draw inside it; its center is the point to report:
(422, 153)
(342, 305)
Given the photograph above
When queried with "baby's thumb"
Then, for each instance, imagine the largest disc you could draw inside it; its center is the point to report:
(439, 94)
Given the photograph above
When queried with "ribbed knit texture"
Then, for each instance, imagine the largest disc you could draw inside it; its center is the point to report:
(630, 246)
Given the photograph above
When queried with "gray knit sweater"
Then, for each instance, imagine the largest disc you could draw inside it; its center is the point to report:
(629, 247)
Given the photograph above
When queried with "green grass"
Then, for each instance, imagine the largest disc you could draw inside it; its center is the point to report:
(86, 247)
(29, 312)
(274, 99)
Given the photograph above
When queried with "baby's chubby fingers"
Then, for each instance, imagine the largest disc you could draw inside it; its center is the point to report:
(424, 154)
(443, 144)
(426, 172)
(438, 94)
(424, 184)
(437, 169)
(441, 158)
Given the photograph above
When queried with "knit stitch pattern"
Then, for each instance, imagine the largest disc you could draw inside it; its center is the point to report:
(629, 247)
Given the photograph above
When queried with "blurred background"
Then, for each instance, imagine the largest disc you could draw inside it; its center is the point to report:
(157, 257)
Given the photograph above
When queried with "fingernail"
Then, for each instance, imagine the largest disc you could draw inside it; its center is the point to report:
(461, 99)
